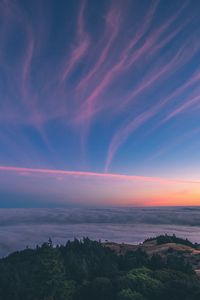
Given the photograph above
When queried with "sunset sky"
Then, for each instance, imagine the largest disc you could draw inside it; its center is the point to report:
(99, 102)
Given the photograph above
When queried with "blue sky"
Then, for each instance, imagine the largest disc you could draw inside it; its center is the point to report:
(99, 87)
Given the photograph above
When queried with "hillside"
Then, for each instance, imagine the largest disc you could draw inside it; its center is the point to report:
(190, 252)
(88, 270)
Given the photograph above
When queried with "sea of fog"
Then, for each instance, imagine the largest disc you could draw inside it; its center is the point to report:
(20, 228)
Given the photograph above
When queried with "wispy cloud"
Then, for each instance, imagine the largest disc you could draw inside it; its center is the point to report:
(82, 42)
(117, 68)
(27, 171)
(91, 79)
(182, 57)
(113, 22)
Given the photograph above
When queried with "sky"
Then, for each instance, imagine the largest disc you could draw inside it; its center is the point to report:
(99, 103)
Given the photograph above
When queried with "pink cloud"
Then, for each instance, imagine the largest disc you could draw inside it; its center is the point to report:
(88, 107)
(28, 171)
(122, 134)
(79, 50)
(93, 104)
(113, 22)
(184, 54)
(190, 102)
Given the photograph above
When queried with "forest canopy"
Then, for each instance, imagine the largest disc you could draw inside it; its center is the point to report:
(87, 270)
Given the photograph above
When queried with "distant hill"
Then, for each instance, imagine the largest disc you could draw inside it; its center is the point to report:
(164, 245)
(166, 239)
(90, 270)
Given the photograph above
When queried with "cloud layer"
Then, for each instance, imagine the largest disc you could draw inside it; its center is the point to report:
(27, 227)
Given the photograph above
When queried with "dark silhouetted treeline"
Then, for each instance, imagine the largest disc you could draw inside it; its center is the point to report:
(87, 270)
(165, 239)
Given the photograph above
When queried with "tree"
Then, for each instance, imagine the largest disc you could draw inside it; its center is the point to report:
(128, 294)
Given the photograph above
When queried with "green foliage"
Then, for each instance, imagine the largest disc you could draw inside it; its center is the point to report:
(128, 294)
(134, 259)
(87, 270)
(143, 281)
(178, 285)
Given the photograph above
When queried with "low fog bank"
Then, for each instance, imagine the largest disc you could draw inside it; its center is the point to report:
(18, 237)
(27, 227)
(146, 215)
